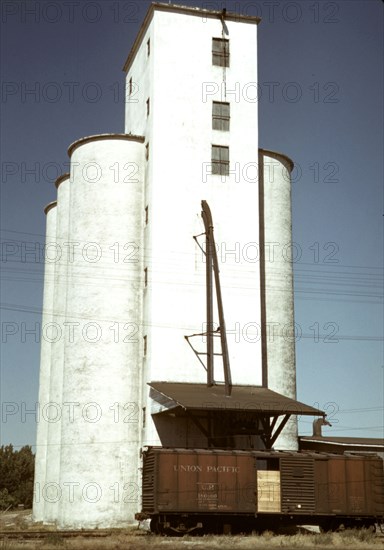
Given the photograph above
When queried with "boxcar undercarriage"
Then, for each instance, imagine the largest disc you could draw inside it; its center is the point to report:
(198, 524)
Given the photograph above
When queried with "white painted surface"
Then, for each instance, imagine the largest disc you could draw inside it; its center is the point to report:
(101, 386)
(180, 135)
(53, 414)
(100, 438)
(45, 370)
(279, 288)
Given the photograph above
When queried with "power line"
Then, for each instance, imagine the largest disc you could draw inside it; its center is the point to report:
(68, 315)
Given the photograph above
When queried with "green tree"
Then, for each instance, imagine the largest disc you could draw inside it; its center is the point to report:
(16, 476)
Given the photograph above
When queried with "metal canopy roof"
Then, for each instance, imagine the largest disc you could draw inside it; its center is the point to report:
(252, 399)
(341, 444)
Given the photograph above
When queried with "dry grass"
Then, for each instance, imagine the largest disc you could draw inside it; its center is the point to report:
(139, 540)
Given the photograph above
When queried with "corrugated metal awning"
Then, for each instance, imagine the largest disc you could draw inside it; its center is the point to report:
(252, 399)
(341, 444)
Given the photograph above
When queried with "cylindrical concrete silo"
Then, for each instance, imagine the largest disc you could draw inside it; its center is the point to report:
(45, 366)
(100, 443)
(54, 412)
(278, 347)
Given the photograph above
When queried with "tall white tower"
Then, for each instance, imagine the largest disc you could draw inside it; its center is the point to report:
(191, 81)
(130, 284)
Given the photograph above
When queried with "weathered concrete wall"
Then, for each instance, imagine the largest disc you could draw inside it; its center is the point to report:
(131, 281)
(54, 410)
(279, 310)
(45, 369)
(101, 385)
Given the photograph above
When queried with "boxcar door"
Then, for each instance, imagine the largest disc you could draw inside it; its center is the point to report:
(297, 484)
(268, 485)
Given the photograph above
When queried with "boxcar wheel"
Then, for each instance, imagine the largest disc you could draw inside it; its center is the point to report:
(331, 526)
(325, 527)
(155, 526)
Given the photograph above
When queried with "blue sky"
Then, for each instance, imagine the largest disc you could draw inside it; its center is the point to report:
(321, 84)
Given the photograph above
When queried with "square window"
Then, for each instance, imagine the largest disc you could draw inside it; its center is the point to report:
(220, 116)
(220, 52)
(220, 160)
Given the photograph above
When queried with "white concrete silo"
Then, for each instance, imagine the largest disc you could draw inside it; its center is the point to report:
(45, 366)
(103, 348)
(279, 368)
(54, 410)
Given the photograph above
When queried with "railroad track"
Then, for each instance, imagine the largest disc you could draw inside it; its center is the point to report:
(94, 533)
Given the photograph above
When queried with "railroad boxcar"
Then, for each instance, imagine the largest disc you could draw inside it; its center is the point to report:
(212, 490)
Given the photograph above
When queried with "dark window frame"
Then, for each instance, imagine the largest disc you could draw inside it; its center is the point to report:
(220, 52)
(220, 160)
(221, 115)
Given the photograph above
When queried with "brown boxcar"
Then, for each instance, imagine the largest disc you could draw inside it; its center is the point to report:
(349, 488)
(226, 490)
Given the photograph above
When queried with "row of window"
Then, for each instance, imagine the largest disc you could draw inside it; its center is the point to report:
(220, 55)
(219, 159)
(220, 153)
(148, 105)
(220, 114)
(220, 111)
(220, 121)
(220, 51)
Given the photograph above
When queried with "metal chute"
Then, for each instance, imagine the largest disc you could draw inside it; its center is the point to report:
(212, 268)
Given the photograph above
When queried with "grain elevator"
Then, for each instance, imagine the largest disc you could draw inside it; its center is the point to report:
(125, 280)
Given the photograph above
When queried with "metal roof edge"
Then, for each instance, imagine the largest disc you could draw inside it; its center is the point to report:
(100, 137)
(334, 441)
(159, 6)
(281, 157)
(287, 406)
